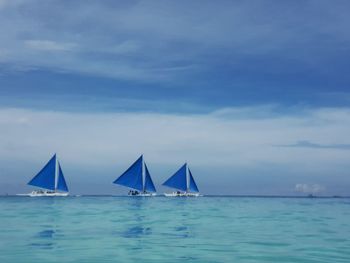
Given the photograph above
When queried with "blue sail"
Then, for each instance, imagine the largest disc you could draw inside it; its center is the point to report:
(149, 186)
(178, 180)
(46, 177)
(192, 186)
(61, 183)
(132, 177)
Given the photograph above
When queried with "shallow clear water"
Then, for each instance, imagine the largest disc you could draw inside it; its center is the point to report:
(205, 229)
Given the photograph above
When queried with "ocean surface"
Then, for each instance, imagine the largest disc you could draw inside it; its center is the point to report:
(204, 229)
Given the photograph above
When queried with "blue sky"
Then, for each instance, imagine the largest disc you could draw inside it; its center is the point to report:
(254, 94)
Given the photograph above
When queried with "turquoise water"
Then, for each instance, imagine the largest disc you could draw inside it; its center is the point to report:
(205, 229)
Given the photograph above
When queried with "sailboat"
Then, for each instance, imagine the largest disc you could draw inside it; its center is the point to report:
(183, 182)
(50, 179)
(138, 179)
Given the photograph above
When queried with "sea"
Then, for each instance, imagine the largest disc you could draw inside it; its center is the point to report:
(98, 229)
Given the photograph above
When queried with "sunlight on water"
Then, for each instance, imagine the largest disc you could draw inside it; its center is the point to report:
(206, 229)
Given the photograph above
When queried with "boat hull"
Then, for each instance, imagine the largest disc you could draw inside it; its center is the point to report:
(175, 194)
(45, 194)
(143, 194)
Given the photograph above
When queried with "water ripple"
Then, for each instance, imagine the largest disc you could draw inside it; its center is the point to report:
(208, 229)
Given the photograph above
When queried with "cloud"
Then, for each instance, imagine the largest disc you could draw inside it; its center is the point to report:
(222, 151)
(246, 112)
(139, 39)
(205, 139)
(48, 45)
(11, 3)
(308, 144)
(309, 188)
(125, 47)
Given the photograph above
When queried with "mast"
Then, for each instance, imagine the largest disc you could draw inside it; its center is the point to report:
(143, 173)
(187, 179)
(56, 172)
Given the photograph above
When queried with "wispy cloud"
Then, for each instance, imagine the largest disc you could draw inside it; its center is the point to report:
(308, 144)
(138, 40)
(49, 45)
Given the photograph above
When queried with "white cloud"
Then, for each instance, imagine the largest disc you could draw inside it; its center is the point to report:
(205, 140)
(309, 188)
(220, 149)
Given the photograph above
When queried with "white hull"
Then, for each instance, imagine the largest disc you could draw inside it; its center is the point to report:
(176, 194)
(44, 193)
(143, 194)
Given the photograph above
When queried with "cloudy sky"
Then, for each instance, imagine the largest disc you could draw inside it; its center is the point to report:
(254, 95)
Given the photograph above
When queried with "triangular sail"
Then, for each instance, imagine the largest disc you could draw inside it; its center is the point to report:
(132, 177)
(192, 184)
(46, 177)
(149, 186)
(178, 180)
(61, 183)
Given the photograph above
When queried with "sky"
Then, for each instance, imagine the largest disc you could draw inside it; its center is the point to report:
(254, 95)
